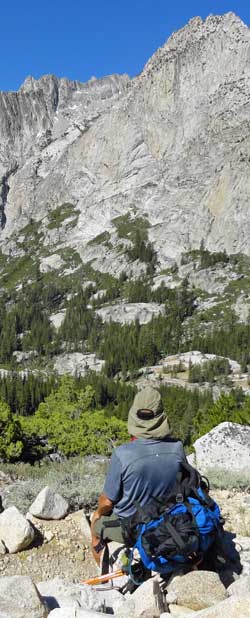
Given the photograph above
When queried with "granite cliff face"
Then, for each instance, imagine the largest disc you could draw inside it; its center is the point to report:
(171, 145)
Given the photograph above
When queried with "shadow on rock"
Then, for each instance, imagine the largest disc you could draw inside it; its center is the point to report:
(51, 602)
(38, 537)
(224, 558)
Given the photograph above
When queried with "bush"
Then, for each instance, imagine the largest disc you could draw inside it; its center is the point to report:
(67, 419)
(226, 408)
(11, 436)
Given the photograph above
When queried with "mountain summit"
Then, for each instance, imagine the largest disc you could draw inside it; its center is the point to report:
(171, 146)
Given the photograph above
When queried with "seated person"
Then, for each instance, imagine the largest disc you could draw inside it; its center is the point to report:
(139, 470)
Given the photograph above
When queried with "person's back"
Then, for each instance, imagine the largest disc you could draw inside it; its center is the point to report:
(140, 470)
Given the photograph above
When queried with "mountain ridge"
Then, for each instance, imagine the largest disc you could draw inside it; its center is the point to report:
(162, 145)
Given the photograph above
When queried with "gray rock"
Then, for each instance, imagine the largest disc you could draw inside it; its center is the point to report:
(61, 593)
(65, 602)
(19, 598)
(197, 589)
(85, 528)
(76, 363)
(16, 532)
(166, 280)
(226, 447)
(52, 262)
(242, 307)
(179, 610)
(191, 459)
(91, 599)
(106, 259)
(194, 357)
(144, 599)
(21, 357)
(125, 313)
(57, 318)
(49, 505)
(213, 280)
(230, 608)
(113, 600)
(242, 544)
(240, 588)
(3, 549)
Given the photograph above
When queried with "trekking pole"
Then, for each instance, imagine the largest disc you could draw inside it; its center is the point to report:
(99, 579)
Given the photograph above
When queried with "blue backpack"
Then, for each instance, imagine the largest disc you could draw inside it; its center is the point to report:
(177, 529)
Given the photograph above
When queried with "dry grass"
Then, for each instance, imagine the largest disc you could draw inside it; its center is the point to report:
(225, 479)
(80, 480)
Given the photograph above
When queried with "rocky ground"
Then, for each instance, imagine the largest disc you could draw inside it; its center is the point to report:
(57, 559)
(59, 565)
(65, 551)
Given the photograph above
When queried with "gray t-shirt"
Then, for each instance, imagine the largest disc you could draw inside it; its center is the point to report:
(141, 470)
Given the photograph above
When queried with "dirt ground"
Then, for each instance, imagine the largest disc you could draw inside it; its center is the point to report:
(63, 552)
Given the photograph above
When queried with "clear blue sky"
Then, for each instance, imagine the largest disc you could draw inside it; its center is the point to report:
(81, 38)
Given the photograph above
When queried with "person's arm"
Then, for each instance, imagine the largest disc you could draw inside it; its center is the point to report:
(105, 507)
(109, 497)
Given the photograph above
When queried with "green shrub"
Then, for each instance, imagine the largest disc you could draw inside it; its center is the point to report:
(71, 425)
(17, 269)
(59, 214)
(127, 227)
(11, 436)
(226, 408)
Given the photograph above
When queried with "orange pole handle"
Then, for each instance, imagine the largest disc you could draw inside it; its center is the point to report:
(93, 581)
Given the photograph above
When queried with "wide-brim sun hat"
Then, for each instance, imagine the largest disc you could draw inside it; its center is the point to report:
(153, 425)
